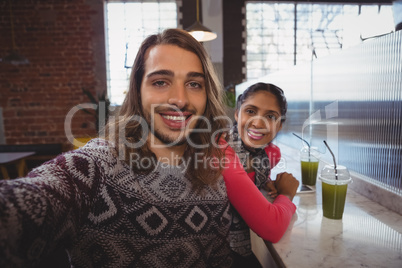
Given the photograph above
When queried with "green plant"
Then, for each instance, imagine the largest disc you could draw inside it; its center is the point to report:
(230, 96)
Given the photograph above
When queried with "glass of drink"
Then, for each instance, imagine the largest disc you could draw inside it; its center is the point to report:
(334, 186)
(309, 166)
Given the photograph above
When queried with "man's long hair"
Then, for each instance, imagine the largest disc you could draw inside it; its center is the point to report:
(128, 127)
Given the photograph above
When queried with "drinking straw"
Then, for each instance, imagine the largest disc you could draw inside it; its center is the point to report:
(305, 142)
(302, 139)
(333, 156)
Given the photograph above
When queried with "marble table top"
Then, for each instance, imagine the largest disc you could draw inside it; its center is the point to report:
(368, 235)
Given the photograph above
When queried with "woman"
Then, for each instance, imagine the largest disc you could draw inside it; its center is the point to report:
(260, 112)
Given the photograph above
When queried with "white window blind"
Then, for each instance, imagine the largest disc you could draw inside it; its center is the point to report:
(128, 23)
(280, 35)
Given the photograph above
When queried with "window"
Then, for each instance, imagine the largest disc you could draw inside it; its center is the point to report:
(280, 35)
(127, 25)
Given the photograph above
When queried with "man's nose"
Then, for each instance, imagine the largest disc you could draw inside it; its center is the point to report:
(178, 96)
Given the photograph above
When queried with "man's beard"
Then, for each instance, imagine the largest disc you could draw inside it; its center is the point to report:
(168, 140)
(165, 139)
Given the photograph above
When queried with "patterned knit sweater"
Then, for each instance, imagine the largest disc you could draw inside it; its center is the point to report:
(92, 204)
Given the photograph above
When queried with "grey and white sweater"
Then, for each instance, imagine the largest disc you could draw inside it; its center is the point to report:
(90, 203)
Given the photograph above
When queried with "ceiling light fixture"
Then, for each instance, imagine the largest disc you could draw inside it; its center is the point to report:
(13, 57)
(199, 31)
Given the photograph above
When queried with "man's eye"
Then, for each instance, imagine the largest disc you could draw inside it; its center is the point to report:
(159, 83)
(195, 85)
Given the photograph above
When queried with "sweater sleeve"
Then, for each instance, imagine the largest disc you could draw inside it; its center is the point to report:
(42, 211)
(269, 221)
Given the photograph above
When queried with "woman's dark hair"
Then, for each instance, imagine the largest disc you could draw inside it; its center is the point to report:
(276, 91)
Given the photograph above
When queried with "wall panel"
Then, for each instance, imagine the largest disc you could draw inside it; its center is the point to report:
(354, 101)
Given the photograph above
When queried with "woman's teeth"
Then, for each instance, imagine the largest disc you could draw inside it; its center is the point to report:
(257, 134)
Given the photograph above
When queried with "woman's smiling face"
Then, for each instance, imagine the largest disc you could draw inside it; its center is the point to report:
(259, 119)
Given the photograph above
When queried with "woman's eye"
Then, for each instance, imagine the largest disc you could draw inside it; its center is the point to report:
(272, 117)
(250, 111)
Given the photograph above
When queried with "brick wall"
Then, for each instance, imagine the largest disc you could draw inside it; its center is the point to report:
(64, 43)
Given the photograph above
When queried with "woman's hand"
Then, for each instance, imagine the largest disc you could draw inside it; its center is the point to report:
(271, 189)
(286, 184)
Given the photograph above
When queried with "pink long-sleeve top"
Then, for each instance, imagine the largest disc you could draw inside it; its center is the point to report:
(268, 220)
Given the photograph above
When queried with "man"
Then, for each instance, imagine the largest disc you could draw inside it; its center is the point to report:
(141, 197)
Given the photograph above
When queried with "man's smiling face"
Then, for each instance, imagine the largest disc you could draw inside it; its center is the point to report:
(173, 93)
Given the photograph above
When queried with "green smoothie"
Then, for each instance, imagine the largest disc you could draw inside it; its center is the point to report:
(333, 200)
(309, 172)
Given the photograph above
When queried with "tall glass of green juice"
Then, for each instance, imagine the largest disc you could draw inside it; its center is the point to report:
(309, 172)
(334, 188)
(309, 166)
